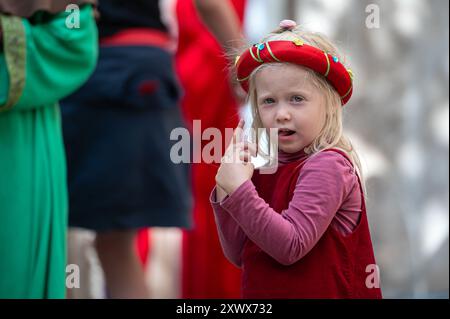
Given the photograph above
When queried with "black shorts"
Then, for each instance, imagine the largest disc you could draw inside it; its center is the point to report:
(117, 138)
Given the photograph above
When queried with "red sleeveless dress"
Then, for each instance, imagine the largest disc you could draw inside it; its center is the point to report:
(336, 267)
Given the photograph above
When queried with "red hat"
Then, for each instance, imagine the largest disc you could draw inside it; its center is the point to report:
(297, 52)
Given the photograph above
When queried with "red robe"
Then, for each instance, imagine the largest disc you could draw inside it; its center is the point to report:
(202, 70)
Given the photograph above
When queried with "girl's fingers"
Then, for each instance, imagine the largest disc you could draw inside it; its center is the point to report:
(246, 146)
(245, 156)
(237, 135)
(252, 148)
(239, 146)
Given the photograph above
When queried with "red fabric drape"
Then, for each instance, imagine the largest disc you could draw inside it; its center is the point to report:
(202, 69)
(143, 245)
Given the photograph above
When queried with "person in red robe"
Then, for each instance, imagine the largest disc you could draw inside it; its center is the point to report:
(202, 66)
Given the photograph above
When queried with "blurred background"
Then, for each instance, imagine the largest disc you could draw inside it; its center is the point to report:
(398, 119)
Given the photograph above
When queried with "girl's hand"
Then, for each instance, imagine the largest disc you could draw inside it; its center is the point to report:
(236, 168)
(220, 193)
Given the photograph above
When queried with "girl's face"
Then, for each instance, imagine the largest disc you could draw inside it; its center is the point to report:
(288, 101)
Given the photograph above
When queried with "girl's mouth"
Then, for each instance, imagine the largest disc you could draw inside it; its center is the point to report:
(285, 132)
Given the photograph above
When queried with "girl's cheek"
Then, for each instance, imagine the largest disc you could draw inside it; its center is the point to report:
(265, 116)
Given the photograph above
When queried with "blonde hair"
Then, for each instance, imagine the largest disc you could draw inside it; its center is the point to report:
(331, 135)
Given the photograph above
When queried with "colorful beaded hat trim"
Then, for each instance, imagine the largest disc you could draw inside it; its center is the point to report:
(299, 53)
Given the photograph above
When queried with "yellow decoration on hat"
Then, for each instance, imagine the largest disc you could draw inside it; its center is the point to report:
(298, 42)
(350, 72)
(237, 60)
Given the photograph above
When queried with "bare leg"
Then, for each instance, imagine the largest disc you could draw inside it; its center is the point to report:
(124, 273)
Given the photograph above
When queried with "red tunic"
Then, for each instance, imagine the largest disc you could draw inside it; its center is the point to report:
(334, 268)
(202, 69)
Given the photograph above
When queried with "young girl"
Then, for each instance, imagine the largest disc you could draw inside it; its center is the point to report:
(301, 232)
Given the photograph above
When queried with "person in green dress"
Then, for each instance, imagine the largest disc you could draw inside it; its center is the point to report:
(43, 58)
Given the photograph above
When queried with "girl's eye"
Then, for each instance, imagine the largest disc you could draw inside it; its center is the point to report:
(268, 100)
(297, 98)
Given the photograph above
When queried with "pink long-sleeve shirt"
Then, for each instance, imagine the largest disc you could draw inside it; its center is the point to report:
(327, 194)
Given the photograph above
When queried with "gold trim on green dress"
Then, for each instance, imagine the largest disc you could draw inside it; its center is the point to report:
(41, 63)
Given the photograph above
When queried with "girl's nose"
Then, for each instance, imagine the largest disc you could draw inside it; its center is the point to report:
(283, 114)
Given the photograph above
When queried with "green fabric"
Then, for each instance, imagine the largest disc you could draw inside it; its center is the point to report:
(14, 39)
(33, 193)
